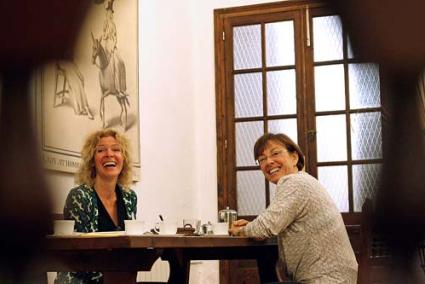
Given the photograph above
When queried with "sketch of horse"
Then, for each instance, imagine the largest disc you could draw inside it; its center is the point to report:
(112, 79)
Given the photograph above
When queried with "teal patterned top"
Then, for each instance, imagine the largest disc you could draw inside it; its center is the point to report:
(81, 206)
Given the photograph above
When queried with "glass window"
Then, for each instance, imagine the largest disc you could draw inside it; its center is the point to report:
(247, 47)
(280, 43)
(320, 95)
(248, 95)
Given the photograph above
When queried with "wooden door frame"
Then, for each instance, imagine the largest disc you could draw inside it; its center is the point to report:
(225, 143)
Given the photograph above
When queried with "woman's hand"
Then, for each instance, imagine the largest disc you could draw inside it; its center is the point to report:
(237, 227)
(240, 223)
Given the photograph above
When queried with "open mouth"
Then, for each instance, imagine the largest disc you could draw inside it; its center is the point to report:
(109, 164)
(273, 171)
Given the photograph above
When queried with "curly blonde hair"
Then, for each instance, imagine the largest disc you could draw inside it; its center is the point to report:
(87, 171)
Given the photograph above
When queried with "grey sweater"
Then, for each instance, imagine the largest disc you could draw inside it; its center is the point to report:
(313, 241)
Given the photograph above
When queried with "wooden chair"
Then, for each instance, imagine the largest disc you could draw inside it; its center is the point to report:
(354, 225)
(281, 274)
(370, 248)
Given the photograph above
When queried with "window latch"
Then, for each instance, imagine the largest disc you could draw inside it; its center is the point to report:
(311, 133)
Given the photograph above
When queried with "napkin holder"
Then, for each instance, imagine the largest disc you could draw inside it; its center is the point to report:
(187, 230)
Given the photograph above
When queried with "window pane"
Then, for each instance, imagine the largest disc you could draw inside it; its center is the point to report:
(327, 38)
(246, 135)
(365, 183)
(329, 87)
(247, 47)
(248, 95)
(364, 85)
(331, 138)
(280, 49)
(366, 136)
(335, 180)
(286, 126)
(281, 91)
(251, 192)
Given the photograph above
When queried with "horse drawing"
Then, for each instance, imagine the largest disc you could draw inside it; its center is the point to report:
(112, 79)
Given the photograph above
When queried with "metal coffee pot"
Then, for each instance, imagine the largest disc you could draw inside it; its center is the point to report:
(227, 215)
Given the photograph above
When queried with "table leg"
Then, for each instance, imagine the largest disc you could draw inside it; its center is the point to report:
(266, 263)
(179, 266)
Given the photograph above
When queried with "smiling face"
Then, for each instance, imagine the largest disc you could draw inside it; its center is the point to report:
(276, 161)
(108, 158)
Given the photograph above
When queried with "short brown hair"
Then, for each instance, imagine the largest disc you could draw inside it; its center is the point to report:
(280, 138)
(87, 171)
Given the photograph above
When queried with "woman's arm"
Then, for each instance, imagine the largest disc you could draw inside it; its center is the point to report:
(79, 207)
(130, 201)
(288, 205)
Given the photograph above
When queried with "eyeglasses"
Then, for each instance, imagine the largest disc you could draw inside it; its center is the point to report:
(273, 155)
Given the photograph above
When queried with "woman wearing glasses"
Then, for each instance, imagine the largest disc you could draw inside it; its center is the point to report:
(313, 241)
(103, 200)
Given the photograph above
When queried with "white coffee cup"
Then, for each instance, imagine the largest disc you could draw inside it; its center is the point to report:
(63, 227)
(220, 228)
(167, 228)
(134, 227)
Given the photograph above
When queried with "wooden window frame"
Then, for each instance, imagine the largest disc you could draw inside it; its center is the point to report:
(225, 143)
(306, 113)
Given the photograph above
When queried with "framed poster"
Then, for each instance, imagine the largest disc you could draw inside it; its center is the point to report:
(97, 89)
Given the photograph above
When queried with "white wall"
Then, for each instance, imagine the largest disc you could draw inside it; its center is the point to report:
(177, 116)
(178, 142)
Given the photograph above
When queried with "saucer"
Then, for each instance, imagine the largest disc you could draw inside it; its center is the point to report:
(102, 234)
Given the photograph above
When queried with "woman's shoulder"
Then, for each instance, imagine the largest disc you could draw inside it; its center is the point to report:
(127, 193)
(79, 198)
(303, 183)
(129, 197)
(298, 178)
(81, 190)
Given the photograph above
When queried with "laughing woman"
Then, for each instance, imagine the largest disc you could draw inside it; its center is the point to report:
(313, 241)
(103, 199)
